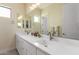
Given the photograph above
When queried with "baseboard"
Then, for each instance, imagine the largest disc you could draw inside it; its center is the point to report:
(6, 50)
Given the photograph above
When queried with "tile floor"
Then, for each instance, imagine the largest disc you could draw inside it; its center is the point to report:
(12, 52)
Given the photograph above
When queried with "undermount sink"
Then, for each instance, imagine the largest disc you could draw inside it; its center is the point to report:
(56, 42)
(45, 41)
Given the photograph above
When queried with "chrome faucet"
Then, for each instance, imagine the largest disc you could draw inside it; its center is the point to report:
(51, 36)
(26, 31)
(52, 33)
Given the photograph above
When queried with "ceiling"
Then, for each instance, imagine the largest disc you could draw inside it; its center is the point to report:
(42, 5)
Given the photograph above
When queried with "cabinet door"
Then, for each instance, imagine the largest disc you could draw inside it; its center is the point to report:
(39, 52)
(24, 48)
(19, 45)
(31, 50)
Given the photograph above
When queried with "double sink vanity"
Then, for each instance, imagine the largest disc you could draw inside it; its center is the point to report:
(31, 45)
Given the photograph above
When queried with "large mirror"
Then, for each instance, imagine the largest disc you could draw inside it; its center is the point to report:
(59, 18)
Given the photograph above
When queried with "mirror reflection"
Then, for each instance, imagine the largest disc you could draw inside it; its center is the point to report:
(56, 18)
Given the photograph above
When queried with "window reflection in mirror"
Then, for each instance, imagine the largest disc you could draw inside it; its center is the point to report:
(36, 19)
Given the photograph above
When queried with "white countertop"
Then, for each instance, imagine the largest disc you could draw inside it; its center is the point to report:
(58, 46)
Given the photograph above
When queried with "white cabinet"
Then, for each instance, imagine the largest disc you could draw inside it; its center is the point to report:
(31, 50)
(19, 45)
(24, 48)
(39, 52)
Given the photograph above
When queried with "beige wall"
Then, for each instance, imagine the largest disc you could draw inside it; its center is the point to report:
(8, 26)
(54, 12)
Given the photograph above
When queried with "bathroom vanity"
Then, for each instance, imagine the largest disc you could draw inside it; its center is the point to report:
(26, 46)
(30, 45)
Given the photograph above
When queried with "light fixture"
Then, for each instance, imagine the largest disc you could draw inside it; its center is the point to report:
(19, 24)
(31, 8)
(20, 17)
(34, 6)
(37, 4)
